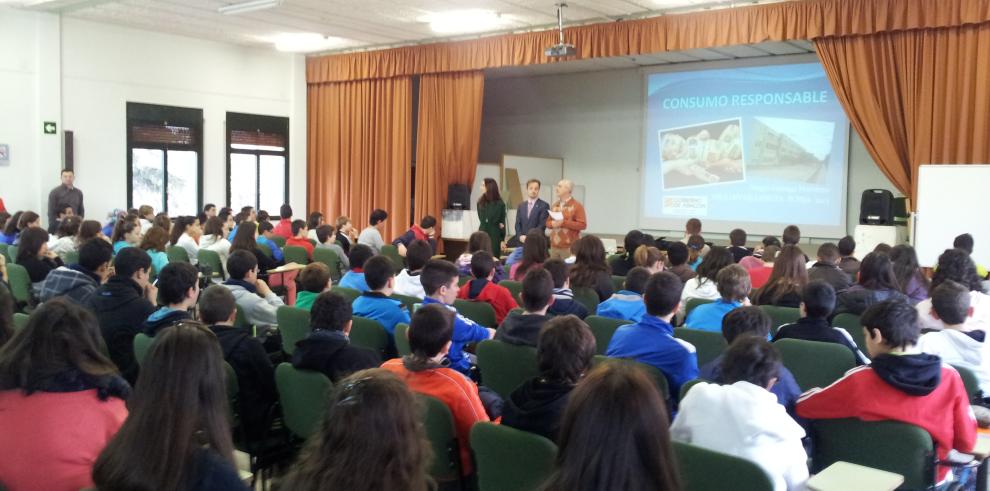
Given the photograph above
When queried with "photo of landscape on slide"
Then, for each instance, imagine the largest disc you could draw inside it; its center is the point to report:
(702, 154)
(789, 149)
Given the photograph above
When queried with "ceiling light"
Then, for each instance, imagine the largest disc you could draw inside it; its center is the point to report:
(249, 6)
(464, 21)
(306, 42)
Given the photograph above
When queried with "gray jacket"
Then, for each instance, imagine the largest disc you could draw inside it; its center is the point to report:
(258, 311)
(69, 282)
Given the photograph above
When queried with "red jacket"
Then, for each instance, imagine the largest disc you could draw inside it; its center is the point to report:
(499, 297)
(283, 228)
(861, 393)
(456, 391)
(304, 243)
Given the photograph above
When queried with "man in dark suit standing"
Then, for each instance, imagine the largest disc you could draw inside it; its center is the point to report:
(531, 213)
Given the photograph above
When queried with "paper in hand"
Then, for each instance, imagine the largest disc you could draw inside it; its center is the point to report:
(556, 215)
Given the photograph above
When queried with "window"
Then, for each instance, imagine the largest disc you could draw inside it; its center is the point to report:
(165, 158)
(257, 152)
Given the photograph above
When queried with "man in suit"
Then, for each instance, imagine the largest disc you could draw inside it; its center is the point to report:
(531, 213)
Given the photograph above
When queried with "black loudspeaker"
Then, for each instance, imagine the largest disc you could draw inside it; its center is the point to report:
(876, 207)
(458, 197)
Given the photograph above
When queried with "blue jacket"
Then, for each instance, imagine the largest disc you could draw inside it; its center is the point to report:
(652, 341)
(355, 281)
(708, 317)
(465, 331)
(623, 305)
(276, 251)
(377, 306)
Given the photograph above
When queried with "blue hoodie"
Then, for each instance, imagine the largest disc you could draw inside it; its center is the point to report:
(163, 318)
(377, 306)
(625, 304)
(652, 341)
(465, 331)
(354, 280)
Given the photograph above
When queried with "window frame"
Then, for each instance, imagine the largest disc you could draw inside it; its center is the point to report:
(138, 113)
(257, 122)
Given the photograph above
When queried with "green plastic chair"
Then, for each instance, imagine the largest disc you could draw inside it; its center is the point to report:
(461, 280)
(505, 366)
(850, 322)
(480, 312)
(12, 253)
(603, 328)
(3, 251)
(509, 459)
(279, 241)
(814, 363)
(177, 254)
(587, 297)
(707, 344)
(142, 343)
(211, 259)
(266, 250)
(241, 321)
(781, 315)
(368, 333)
(705, 470)
(71, 257)
(349, 293)
(295, 254)
(392, 252)
(328, 257)
(21, 320)
(970, 381)
(293, 323)
(618, 282)
(20, 284)
(303, 397)
(402, 339)
(233, 393)
(692, 303)
(515, 288)
(653, 372)
(886, 445)
(438, 422)
(409, 302)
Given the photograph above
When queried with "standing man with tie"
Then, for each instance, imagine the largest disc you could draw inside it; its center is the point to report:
(531, 213)
(570, 220)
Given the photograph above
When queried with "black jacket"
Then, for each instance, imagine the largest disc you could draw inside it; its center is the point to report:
(521, 329)
(255, 376)
(622, 264)
(765, 297)
(121, 309)
(536, 406)
(211, 472)
(567, 306)
(819, 329)
(850, 265)
(857, 299)
(831, 274)
(739, 252)
(331, 353)
(162, 318)
(38, 269)
(602, 285)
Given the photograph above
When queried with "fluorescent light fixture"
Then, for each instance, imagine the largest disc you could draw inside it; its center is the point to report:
(306, 42)
(249, 6)
(464, 21)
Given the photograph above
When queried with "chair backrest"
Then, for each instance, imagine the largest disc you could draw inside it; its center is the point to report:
(406, 300)
(618, 282)
(293, 324)
(369, 333)
(71, 257)
(692, 303)
(814, 363)
(12, 253)
(142, 343)
(509, 459)
(439, 425)
(707, 344)
(20, 320)
(505, 366)
(241, 320)
(295, 254)
(781, 315)
(177, 254)
(515, 288)
(850, 322)
(233, 394)
(603, 328)
(20, 283)
(328, 257)
(481, 312)
(402, 339)
(654, 373)
(266, 250)
(392, 252)
(587, 297)
(3, 251)
(211, 259)
(279, 241)
(886, 445)
(970, 381)
(303, 397)
(705, 470)
(349, 293)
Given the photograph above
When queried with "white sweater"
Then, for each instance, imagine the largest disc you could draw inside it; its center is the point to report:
(410, 285)
(745, 421)
(697, 288)
(957, 348)
(192, 248)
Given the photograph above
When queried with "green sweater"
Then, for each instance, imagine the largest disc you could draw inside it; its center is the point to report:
(305, 299)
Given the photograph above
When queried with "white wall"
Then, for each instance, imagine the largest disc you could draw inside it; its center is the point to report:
(594, 121)
(101, 67)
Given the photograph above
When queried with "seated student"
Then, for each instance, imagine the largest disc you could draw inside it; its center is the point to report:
(314, 222)
(649, 257)
(122, 304)
(817, 302)
(589, 269)
(956, 343)
(742, 418)
(440, 284)
(563, 353)
(965, 242)
(563, 298)
(185, 234)
(524, 328)
(677, 254)
(371, 236)
(346, 235)
(652, 340)
(146, 214)
(284, 227)
(827, 268)
(326, 239)
(253, 295)
(64, 211)
(424, 231)
(327, 348)
(479, 241)
(848, 263)
(79, 281)
(620, 265)
(760, 268)
(407, 282)
(956, 265)
(737, 241)
(215, 239)
(246, 355)
(752, 321)
(34, 256)
(703, 286)
(66, 240)
(314, 280)
(61, 400)
(178, 290)
(697, 249)
(483, 289)
(788, 278)
(733, 286)
(155, 244)
(791, 237)
(360, 253)
(366, 399)
(125, 234)
(899, 385)
(375, 304)
(177, 435)
(911, 281)
(10, 230)
(431, 338)
(7, 309)
(534, 253)
(615, 435)
(300, 238)
(627, 303)
(876, 284)
(265, 234)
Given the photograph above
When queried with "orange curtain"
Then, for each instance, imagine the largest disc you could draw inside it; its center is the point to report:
(915, 97)
(794, 20)
(448, 136)
(360, 150)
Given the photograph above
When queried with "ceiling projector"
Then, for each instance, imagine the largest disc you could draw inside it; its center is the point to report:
(561, 49)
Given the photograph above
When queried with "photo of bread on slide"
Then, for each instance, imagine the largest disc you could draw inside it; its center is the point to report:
(709, 153)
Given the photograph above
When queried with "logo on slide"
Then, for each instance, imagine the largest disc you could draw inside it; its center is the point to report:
(695, 206)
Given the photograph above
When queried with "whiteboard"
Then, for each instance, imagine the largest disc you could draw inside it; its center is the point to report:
(952, 200)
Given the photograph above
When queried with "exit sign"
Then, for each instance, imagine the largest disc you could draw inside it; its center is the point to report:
(50, 127)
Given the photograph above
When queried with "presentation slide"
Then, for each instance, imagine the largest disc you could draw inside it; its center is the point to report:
(754, 147)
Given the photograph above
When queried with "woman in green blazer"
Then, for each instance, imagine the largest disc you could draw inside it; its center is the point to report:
(491, 214)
